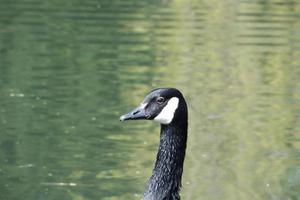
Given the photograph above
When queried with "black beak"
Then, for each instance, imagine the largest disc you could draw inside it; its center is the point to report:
(137, 113)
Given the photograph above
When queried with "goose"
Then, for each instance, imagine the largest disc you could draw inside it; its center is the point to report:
(168, 107)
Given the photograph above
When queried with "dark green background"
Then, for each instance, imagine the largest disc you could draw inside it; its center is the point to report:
(69, 69)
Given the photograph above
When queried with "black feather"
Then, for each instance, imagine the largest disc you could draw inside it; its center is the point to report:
(165, 181)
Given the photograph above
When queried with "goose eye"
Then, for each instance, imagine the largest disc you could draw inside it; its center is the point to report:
(160, 100)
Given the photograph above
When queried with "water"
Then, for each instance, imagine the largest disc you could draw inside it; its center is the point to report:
(69, 69)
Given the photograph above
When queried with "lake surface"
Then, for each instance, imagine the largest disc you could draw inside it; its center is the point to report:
(69, 69)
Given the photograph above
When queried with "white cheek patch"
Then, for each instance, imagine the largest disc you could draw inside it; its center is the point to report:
(167, 113)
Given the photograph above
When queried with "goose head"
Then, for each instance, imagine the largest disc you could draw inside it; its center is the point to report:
(163, 105)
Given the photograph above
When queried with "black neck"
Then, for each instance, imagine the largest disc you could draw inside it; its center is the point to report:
(165, 181)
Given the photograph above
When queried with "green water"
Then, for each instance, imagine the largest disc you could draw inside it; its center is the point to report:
(69, 69)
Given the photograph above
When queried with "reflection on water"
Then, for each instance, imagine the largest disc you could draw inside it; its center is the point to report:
(69, 69)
